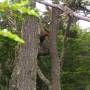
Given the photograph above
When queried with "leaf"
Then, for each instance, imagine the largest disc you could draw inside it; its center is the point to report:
(28, 11)
(33, 13)
(23, 10)
(10, 35)
(20, 7)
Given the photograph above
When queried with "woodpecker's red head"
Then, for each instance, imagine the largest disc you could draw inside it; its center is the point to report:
(43, 35)
(46, 33)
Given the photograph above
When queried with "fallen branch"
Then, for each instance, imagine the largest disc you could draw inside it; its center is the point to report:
(65, 9)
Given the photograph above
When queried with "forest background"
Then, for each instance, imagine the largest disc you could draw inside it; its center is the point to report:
(64, 57)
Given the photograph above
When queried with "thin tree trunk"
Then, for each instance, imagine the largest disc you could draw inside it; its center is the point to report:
(55, 70)
(65, 41)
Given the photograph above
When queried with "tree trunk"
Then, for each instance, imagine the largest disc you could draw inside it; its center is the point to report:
(55, 70)
(28, 56)
(65, 41)
(26, 69)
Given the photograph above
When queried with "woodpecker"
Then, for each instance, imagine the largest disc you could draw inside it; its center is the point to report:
(43, 36)
(43, 50)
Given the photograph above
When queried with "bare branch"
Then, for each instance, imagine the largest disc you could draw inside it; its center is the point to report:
(65, 9)
(43, 78)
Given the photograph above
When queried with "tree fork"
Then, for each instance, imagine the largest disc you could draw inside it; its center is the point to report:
(65, 9)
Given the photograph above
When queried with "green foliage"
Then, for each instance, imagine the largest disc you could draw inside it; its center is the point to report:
(18, 5)
(21, 7)
(76, 69)
(10, 35)
(12, 14)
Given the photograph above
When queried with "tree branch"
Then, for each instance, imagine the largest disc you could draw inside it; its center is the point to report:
(65, 9)
(43, 78)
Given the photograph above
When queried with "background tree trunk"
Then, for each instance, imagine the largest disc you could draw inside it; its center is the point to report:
(55, 70)
(65, 40)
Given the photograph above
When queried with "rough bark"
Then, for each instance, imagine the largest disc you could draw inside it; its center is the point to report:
(28, 56)
(25, 72)
(13, 80)
(55, 70)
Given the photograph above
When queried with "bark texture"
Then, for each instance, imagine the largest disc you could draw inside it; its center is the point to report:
(25, 71)
(28, 56)
(55, 71)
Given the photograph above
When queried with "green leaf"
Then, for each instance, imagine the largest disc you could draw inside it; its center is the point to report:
(33, 13)
(28, 11)
(23, 10)
(10, 35)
